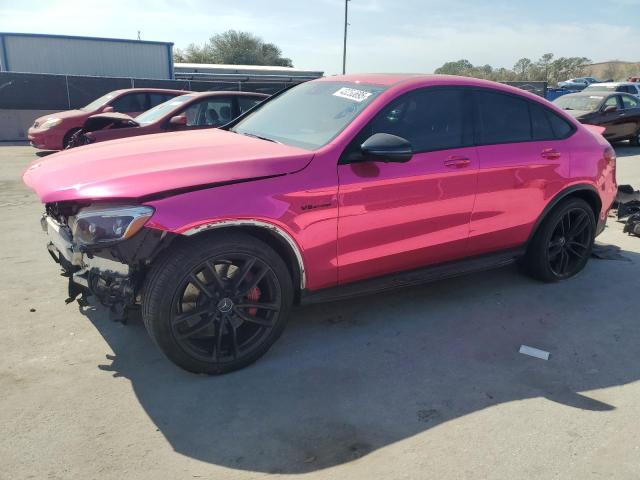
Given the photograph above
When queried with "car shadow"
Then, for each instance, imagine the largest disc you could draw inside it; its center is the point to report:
(45, 153)
(351, 377)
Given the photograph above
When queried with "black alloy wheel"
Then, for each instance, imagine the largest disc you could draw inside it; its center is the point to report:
(570, 243)
(561, 245)
(226, 307)
(217, 303)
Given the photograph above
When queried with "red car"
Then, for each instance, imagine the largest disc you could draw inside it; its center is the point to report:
(186, 112)
(340, 186)
(54, 131)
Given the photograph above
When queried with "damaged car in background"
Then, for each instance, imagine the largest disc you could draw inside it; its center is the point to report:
(340, 186)
(186, 112)
(618, 113)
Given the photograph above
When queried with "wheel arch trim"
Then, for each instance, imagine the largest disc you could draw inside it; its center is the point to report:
(580, 187)
(283, 234)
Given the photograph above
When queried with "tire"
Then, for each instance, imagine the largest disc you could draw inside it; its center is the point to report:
(66, 141)
(217, 303)
(560, 248)
(635, 140)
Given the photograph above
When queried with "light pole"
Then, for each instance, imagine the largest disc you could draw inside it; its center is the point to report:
(344, 47)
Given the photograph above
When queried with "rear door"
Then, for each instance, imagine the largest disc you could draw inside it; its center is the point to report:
(401, 216)
(522, 162)
(612, 121)
(629, 115)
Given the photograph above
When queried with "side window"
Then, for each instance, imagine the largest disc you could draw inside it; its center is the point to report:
(158, 98)
(501, 118)
(541, 128)
(561, 128)
(130, 103)
(212, 112)
(245, 103)
(611, 102)
(629, 102)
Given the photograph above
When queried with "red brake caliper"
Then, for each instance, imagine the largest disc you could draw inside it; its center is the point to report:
(253, 296)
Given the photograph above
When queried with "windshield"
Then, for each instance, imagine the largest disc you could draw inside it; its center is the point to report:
(98, 102)
(587, 103)
(159, 111)
(594, 87)
(309, 115)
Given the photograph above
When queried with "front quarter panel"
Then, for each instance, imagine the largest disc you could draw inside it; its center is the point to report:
(303, 204)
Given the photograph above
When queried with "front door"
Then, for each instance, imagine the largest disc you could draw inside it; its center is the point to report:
(401, 216)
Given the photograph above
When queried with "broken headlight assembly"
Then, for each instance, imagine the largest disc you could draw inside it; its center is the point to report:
(101, 224)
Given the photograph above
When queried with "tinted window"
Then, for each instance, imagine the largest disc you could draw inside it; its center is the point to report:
(541, 128)
(158, 98)
(212, 112)
(629, 102)
(561, 128)
(430, 119)
(245, 103)
(501, 118)
(131, 102)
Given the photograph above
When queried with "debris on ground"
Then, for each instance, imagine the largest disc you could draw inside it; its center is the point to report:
(534, 352)
(608, 252)
(632, 226)
(627, 201)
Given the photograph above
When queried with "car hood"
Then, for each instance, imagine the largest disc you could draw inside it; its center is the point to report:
(152, 164)
(577, 113)
(64, 115)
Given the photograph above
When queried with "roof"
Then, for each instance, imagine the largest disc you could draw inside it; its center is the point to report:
(222, 66)
(74, 37)
(611, 84)
(234, 93)
(152, 90)
(416, 80)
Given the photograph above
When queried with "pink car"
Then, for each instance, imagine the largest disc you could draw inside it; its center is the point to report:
(186, 112)
(54, 131)
(336, 187)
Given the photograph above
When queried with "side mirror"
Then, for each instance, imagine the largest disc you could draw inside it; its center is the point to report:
(178, 120)
(107, 109)
(609, 109)
(384, 147)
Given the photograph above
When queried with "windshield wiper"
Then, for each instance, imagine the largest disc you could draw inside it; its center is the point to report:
(568, 108)
(257, 136)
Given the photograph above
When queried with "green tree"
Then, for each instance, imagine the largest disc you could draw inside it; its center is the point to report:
(234, 48)
(461, 67)
(522, 68)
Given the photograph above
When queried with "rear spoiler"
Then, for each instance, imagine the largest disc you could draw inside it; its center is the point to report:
(594, 129)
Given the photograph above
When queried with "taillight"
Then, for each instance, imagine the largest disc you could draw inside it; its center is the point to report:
(610, 156)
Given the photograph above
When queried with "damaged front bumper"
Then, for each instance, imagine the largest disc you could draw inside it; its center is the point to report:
(113, 274)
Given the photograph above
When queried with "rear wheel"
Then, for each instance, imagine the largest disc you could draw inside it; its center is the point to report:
(635, 140)
(217, 304)
(562, 245)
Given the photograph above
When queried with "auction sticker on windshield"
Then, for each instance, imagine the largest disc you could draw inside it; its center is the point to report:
(352, 94)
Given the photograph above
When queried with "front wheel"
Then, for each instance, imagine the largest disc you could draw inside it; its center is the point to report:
(562, 245)
(217, 303)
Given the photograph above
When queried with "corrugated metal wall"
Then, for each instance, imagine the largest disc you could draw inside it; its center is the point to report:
(86, 56)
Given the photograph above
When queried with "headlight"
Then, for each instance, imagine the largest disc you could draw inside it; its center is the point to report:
(50, 122)
(108, 224)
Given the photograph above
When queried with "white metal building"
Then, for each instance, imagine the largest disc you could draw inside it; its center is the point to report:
(209, 71)
(108, 57)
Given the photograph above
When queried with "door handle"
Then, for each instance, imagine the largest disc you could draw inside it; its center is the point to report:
(550, 154)
(457, 162)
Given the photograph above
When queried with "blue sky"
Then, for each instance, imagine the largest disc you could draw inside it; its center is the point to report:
(384, 36)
